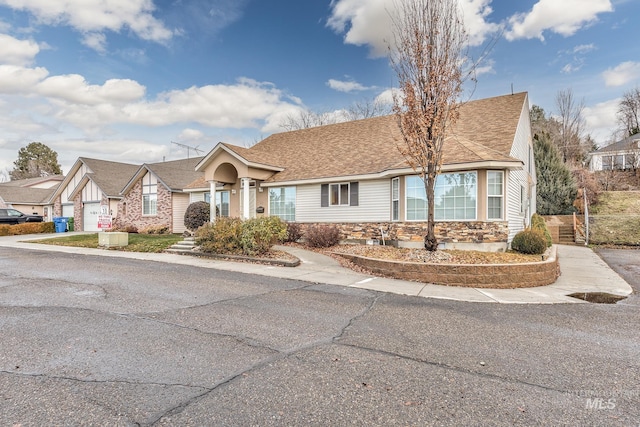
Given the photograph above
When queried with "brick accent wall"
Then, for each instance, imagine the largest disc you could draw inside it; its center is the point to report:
(497, 276)
(446, 232)
(57, 207)
(132, 213)
(78, 217)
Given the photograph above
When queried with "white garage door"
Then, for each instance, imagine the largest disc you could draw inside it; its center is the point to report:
(90, 216)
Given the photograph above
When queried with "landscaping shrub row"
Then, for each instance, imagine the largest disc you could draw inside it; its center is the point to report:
(27, 228)
(233, 236)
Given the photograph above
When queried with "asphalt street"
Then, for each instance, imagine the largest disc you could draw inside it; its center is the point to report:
(88, 340)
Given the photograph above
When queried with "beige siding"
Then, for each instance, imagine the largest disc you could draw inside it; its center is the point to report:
(374, 204)
(180, 204)
(91, 193)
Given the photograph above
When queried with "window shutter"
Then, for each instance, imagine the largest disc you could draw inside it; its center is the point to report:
(324, 195)
(353, 196)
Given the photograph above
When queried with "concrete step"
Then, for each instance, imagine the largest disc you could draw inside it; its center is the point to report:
(172, 250)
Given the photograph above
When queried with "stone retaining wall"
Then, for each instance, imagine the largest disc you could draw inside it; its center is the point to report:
(446, 232)
(500, 276)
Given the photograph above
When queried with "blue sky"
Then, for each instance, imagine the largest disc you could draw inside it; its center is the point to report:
(120, 79)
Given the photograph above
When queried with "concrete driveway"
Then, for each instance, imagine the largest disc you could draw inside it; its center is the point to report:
(88, 340)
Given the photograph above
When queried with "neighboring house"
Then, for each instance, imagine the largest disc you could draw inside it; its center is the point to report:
(31, 195)
(621, 155)
(353, 175)
(155, 194)
(89, 185)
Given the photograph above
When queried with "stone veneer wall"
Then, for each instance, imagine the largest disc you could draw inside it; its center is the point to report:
(133, 211)
(446, 232)
(501, 276)
(78, 217)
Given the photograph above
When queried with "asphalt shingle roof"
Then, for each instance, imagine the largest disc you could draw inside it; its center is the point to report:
(110, 176)
(622, 145)
(485, 131)
(176, 174)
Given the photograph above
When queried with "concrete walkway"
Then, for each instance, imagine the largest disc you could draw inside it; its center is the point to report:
(582, 270)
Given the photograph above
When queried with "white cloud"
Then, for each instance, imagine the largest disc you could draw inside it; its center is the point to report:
(95, 41)
(622, 74)
(16, 79)
(346, 86)
(189, 134)
(74, 89)
(564, 17)
(93, 17)
(368, 22)
(601, 120)
(386, 97)
(17, 52)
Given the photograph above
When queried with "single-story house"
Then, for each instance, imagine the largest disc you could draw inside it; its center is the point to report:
(31, 195)
(90, 187)
(353, 175)
(155, 194)
(621, 155)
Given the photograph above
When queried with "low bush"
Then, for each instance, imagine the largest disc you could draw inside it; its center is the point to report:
(294, 232)
(538, 223)
(196, 215)
(27, 228)
(529, 242)
(125, 228)
(259, 234)
(253, 237)
(155, 229)
(322, 236)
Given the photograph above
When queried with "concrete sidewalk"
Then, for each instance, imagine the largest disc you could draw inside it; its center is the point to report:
(582, 270)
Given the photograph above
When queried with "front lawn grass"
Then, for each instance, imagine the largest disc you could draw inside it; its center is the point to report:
(137, 242)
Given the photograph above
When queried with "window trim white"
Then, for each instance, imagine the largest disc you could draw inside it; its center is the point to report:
(295, 195)
(149, 182)
(501, 196)
(395, 199)
(340, 201)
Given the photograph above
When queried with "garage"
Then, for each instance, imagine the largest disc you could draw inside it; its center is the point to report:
(90, 214)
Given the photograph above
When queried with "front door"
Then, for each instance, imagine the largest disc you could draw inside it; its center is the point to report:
(252, 202)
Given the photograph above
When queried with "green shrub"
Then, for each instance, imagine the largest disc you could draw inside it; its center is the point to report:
(294, 232)
(322, 236)
(259, 234)
(197, 214)
(233, 236)
(529, 242)
(27, 228)
(538, 223)
(221, 237)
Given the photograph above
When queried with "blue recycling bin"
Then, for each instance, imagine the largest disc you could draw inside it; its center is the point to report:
(60, 223)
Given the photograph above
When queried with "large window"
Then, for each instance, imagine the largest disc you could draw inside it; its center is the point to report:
(222, 203)
(282, 203)
(149, 195)
(395, 199)
(495, 191)
(455, 197)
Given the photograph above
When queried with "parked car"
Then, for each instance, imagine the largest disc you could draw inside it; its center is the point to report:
(12, 216)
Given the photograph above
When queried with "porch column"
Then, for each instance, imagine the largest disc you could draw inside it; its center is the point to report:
(245, 198)
(212, 201)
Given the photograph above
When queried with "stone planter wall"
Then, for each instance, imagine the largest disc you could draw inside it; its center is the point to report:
(500, 276)
(475, 232)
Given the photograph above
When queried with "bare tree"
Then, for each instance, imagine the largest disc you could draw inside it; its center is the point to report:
(367, 108)
(427, 53)
(571, 129)
(305, 119)
(629, 112)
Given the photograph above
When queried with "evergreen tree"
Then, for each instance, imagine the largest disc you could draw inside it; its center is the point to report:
(35, 160)
(556, 188)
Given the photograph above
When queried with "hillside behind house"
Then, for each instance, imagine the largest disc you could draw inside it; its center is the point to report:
(615, 219)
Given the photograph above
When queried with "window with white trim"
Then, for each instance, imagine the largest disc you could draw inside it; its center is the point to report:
(282, 203)
(339, 194)
(455, 196)
(149, 194)
(395, 199)
(222, 203)
(495, 194)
